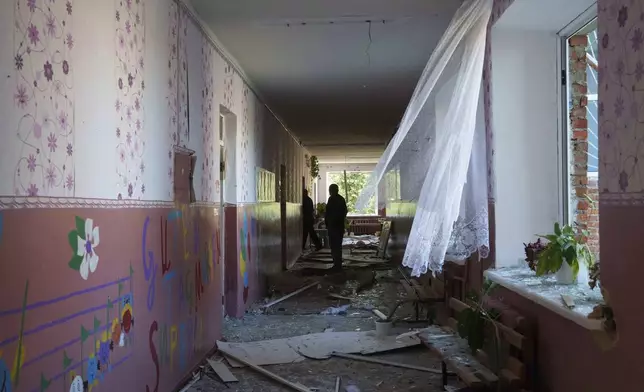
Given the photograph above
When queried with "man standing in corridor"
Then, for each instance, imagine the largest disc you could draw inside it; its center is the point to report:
(308, 214)
(334, 218)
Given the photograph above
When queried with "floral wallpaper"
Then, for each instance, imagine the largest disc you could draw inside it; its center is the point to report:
(183, 135)
(247, 95)
(130, 43)
(621, 89)
(208, 115)
(498, 9)
(229, 91)
(44, 97)
(172, 99)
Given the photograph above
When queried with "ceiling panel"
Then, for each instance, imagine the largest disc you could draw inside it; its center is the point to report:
(331, 76)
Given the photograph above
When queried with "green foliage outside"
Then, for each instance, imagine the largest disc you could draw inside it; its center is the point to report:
(356, 181)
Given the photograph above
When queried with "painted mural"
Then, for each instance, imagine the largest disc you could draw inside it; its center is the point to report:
(130, 115)
(247, 241)
(78, 321)
(43, 97)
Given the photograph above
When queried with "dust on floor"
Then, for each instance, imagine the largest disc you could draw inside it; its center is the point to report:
(300, 315)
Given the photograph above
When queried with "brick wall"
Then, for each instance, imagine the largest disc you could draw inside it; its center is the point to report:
(583, 186)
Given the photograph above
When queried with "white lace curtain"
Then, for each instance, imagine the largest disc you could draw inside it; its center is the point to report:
(440, 151)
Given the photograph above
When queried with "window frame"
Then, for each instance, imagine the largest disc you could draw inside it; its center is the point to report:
(566, 212)
(328, 182)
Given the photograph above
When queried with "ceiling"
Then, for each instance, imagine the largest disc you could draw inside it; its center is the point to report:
(317, 67)
(539, 15)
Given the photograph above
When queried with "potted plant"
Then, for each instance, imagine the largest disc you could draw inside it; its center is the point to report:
(563, 254)
(532, 250)
(321, 209)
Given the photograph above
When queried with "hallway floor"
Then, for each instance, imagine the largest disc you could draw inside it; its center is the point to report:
(301, 315)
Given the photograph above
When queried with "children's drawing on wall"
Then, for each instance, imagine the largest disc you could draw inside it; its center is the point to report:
(87, 358)
(5, 376)
(84, 239)
(77, 385)
(245, 235)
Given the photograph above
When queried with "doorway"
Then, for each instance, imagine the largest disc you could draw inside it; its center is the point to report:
(228, 216)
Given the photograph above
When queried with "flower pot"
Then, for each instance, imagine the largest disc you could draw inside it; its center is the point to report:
(565, 275)
(583, 276)
(383, 328)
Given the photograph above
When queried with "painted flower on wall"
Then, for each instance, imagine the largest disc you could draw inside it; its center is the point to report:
(83, 240)
(77, 385)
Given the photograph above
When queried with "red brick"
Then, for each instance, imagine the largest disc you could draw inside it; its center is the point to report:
(579, 89)
(580, 123)
(580, 134)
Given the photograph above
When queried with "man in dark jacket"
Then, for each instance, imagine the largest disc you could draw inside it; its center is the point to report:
(335, 216)
(308, 217)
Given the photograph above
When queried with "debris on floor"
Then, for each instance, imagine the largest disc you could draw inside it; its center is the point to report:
(334, 311)
(317, 333)
(314, 346)
(222, 371)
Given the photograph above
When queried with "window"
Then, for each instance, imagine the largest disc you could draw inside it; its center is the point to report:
(583, 142)
(265, 186)
(184, 165)
(351, 189)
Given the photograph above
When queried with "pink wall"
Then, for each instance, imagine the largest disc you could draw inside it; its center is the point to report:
(157, 279)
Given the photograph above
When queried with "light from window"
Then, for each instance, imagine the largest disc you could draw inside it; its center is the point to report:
(355, 183)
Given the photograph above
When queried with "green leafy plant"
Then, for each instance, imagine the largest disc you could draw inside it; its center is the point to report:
(472, 320)
(352, 186)
(314, 167)
(564, 245)
(321, 209)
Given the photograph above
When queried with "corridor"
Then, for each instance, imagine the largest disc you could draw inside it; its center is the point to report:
(154, 156)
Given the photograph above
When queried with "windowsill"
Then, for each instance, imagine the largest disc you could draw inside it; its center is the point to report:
(545, 291)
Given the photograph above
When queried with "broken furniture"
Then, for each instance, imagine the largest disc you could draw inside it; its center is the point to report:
(418, 294)
(456, 275)
(364, 225)
(511, 356)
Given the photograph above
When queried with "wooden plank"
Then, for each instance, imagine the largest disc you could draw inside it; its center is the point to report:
(482, 357)
(512, 336)
(338, 296)
(387, 363)
(222, 371)
(437, 287)
(452, 323)
(464, 373)
(457, 305)
(296, 292)
(489, 376)
(420, 289)
(515, 366)
(268, 374)
(408, 289)
(510, 378)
